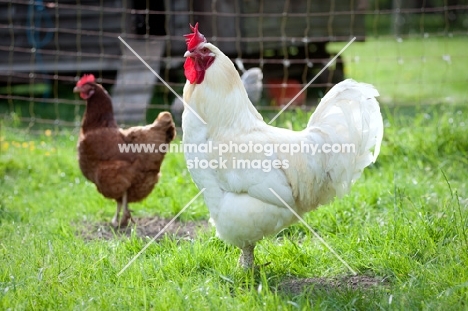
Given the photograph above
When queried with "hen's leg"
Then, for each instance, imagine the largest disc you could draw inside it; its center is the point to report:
(115, 220)
(246, 259)
(126, 212)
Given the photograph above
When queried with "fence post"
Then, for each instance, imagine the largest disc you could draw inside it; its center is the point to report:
(396, 20)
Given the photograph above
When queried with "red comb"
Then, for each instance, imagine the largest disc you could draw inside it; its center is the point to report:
(86, 79)
(194, 39)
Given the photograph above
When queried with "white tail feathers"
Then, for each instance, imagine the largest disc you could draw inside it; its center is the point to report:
(349, 114)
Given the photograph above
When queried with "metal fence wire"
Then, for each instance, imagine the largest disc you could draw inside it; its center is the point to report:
(46, 46)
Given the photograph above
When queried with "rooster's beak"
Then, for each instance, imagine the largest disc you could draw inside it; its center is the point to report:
(188, 54)
(76, 89)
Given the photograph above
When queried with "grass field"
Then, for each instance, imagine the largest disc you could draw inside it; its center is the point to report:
(411, 71)
(403, 227)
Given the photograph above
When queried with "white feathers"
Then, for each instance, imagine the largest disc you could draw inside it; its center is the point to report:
(241, 205)
(354, 105)
(252, 80)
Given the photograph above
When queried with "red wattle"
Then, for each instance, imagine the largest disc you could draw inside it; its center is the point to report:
(189, 70)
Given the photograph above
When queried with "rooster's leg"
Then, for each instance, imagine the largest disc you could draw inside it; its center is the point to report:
(115, 220)
(126, 212)
(246, 259)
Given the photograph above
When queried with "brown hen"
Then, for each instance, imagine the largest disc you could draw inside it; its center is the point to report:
(123, 176)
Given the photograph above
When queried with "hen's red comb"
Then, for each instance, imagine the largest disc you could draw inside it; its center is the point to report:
(194, 39)
(86, 79)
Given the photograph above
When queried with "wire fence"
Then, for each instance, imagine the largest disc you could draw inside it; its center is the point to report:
(413, 51)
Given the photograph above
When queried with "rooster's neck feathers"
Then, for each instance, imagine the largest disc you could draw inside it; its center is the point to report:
(223, 95)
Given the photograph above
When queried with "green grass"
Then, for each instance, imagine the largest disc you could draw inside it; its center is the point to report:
(411, 71)
(405, 220)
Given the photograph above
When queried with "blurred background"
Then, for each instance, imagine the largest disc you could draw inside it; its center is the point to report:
(414, 52)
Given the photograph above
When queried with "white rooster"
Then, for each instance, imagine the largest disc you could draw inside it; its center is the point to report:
(243, 173)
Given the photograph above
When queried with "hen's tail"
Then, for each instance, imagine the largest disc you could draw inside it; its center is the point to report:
(349, 118)
(165, 123)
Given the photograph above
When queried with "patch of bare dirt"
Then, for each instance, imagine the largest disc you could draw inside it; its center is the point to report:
(298, 286)
(143, 227)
